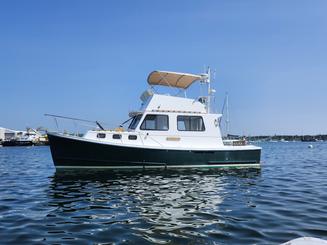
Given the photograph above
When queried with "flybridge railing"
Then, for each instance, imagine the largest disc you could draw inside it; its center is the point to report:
(76, 122)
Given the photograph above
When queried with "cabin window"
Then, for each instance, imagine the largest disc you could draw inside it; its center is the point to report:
(116, 136)
(190, 123)
(132, 137)
(101, 135)
(155, 122)
(135, 121)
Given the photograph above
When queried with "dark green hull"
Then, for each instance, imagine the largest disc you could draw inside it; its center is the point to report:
(71, 152)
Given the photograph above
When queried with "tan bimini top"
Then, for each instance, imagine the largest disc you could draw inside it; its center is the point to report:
(172, 79)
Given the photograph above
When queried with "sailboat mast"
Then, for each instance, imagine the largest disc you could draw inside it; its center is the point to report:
(209, 90)
(227, 115)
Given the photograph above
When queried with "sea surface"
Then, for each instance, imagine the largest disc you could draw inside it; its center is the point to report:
(284, 200)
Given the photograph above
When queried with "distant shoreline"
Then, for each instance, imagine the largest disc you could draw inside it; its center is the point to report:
(303, 138)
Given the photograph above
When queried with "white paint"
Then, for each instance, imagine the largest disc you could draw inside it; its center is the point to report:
(2, 133)
(7, 134)
(172, 106)
(124, 142)
(306, 241)
(174, 103)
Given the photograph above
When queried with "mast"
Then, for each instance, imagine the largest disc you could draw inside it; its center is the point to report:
(227, 116)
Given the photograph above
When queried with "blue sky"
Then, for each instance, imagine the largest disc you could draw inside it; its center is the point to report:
(90, 59)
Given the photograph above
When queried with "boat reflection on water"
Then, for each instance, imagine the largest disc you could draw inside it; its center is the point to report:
(157, 206)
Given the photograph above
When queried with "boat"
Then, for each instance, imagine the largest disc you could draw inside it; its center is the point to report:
(230, 139)
(306, 241)
(18, 142)
(26, 139)
(169, 131)
(308, 138)
(30, 137)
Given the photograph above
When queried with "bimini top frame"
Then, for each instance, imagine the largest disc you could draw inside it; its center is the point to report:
(182, 81)
(174, 79)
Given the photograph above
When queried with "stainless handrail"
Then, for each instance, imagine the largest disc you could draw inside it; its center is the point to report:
(55, 117)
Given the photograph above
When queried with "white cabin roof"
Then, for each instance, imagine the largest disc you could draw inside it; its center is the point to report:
(172, 79)
(167, 103)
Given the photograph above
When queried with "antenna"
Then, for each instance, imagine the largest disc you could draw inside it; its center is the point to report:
(209, 90)
(206, 80)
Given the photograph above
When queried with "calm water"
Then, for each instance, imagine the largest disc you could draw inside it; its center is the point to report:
(284, 200)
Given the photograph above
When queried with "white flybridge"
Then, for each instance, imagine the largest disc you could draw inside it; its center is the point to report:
(168, 131)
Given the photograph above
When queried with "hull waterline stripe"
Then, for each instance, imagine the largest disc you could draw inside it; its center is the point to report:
(256, 165)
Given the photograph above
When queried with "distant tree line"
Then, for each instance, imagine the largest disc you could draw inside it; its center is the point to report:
(306, 138)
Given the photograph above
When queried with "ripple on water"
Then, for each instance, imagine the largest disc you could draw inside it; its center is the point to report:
(284, 200)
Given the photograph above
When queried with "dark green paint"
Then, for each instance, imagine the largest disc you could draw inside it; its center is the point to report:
(72, 152)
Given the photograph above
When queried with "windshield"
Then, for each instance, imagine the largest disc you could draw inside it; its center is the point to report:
(135, 121)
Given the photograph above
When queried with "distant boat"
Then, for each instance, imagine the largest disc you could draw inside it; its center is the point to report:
(230, 139)
(18, 142)
(28, 138)
(235, 142)
(308, 139)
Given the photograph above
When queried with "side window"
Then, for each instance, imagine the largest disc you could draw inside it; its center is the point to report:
(190, 123)
(135, 121)
(155, 122)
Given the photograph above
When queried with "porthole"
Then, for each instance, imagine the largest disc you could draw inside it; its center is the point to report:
(116, 136)
(101, 135)
(132, 137)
